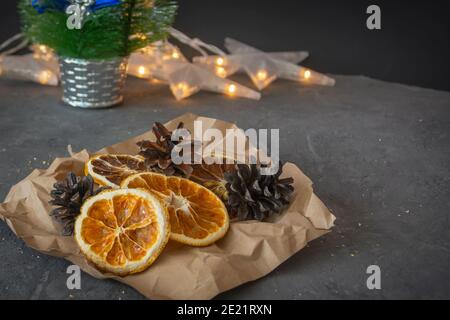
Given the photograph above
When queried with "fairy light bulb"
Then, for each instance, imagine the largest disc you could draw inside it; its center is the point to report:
(306, 74)
(148, 50)
(220, 61)
(182, 88)
(42, 52)
(262, 75)
(221, 72)
(44, 76)
(182, 85)
(175, 55)
(142, 71)
(43, 49)
(231, 89)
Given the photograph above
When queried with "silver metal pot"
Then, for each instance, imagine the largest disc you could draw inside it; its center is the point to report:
(93, 83)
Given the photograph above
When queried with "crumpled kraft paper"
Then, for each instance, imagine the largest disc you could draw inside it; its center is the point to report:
(249, 251)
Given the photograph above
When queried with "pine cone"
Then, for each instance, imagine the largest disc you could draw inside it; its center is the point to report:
(212, 176)
(255, 196)
(158, 154)
(69, 196)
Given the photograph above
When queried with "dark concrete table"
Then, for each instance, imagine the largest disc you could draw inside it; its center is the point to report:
(378, 153)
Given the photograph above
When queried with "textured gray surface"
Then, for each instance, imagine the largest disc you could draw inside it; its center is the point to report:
(377, 152)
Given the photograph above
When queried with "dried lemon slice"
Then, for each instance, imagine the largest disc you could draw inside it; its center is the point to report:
(197, 216)
(122, 231)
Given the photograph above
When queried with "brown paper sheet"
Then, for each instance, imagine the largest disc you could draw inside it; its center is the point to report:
(249, 251)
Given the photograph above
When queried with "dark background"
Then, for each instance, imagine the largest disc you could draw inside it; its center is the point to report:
(378, 152)
(412, 47)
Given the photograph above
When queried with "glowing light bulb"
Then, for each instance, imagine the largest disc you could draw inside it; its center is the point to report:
(220, 61)
(44, 76)
(306, 74)
(182, 88)
(148, 50)
(142, 70)
(182, 85)
(231, 89)
(221, 72)
(175, 55)
(262, 75)
(43, 48)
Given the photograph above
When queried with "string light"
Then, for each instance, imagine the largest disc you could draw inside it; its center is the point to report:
(42, 52)
(142, 71)
(148, 50)
(142, 36)
(221, 72)
(306, 74)
(262, 75)
(220, 61)
(165, 62)
(172, 55)
(175, 55)
(182, 85)
(231, 89)
(185, 78)
(44, 76)
(181, 90)
(43, 49)
(263, 68)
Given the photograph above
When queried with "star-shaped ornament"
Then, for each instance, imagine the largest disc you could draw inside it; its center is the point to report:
(167, 63)
(262, 68)
(31, 67)
(46, 57)
(237, 47)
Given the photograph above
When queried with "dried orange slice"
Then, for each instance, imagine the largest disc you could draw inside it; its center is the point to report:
(112, 169)
(122, 231)
(197, 216)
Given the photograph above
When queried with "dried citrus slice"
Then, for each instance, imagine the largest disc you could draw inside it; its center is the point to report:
(122, 231)
(112, 169)
(197, 216)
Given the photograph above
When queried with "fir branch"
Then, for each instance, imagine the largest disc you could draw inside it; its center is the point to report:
(129, 18)
(107, 33)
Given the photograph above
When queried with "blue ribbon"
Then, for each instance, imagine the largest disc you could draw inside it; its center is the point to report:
(42, 5)
(100, 4)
